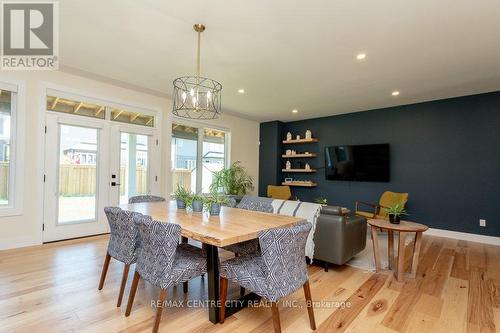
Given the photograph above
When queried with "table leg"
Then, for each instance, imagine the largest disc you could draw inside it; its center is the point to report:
(213, 282)
(390, 247)
(416, 254)
(401, 256)
(376, 253)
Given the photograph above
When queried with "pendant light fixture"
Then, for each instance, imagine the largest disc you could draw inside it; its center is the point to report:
(197, 97)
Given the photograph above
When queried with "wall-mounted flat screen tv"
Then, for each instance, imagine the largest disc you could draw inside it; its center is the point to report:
(364, 163)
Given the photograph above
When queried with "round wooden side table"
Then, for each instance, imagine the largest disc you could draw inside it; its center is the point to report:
(405, 227)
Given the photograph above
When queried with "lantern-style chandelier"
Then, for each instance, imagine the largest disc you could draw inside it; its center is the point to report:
(197, 97)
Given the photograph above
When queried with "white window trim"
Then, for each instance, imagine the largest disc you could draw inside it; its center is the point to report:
(199, 151)
(16, 168)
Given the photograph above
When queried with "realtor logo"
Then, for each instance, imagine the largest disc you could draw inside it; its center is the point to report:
(29, 35)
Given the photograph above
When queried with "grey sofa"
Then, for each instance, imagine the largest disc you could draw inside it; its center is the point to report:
(338, 238)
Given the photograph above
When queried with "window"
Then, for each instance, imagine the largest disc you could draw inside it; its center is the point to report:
(78, 107)
(193, 149)
(11, 133)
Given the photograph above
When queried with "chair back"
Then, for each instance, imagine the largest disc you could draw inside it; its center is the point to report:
(283, 252)
(279, 192)
(390, 198)
(145, 198)
(124, 235)
(156, 254)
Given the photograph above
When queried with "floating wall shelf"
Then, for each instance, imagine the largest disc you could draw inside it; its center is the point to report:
(300, 141)
(299, 170)
(299, 183)
(299, 155)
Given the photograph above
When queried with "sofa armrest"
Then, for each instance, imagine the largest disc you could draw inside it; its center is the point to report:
(331, 210)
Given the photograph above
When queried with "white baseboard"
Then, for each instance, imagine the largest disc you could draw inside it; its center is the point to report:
(14, 243)
(463, 236)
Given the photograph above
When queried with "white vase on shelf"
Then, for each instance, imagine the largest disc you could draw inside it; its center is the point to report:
(288, 165)
(288, 136)
(308, 135)
(307, 167)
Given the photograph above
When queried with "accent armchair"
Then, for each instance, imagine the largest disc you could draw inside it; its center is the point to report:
(380, 210)
(279, 192)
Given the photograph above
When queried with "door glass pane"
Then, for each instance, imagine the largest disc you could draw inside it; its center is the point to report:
(133, 165)
(213, 155)
(5, 142)
(77, 174)
(184, 150)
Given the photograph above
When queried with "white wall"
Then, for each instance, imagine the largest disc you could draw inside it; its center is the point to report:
(25, 229)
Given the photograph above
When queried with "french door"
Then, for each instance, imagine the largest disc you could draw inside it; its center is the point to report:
(91, 164)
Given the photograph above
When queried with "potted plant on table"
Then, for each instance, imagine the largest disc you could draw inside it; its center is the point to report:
(213, 202)
(196, 203)
(322, 201)
(233, 181)
(182, 196)
(395, 212)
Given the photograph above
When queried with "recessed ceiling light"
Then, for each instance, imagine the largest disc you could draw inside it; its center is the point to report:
(241, 91)
(295, 111)
(395, 93)
(361, 56)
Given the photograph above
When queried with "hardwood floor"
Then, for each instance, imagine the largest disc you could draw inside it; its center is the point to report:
(53, 288)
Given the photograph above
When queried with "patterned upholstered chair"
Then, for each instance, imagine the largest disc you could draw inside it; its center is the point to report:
(123, 243)
(278, 271)
(162, 261)
(145, 198)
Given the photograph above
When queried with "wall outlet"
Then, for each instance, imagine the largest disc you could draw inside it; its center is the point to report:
(482, 223)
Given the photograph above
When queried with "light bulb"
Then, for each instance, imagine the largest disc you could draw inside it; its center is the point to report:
(194, 100)
(191, 92)
(209, 95)
(184, 95)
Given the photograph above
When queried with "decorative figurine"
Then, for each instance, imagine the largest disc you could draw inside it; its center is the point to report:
(288, 136)
(307, 167)
(288, 165)
(294, 152)
(288, 152)
(308, 135)
(298, 137)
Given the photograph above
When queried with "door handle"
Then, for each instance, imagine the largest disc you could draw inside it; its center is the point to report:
(115, 184)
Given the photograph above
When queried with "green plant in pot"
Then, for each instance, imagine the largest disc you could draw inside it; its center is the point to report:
(213, 203)
(321, 201)
(197, 203)
(182, 196)
(232, 181)
(395, 212)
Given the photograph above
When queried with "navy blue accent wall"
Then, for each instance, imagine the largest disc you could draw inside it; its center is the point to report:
(269, 155)
(445, 153)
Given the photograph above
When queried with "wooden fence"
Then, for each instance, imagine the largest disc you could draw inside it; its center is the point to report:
(80, 180)
(181, 177)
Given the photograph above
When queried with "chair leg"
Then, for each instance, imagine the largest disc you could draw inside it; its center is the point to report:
(185, 287)
(310, 310)
(242, 291)
(276, 317)
(326, 266)
(122, 286)
(104, 270)
(222, 297)
(159, 310)
(131, 295)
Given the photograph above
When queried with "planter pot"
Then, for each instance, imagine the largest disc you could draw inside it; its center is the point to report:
(394, 219)
(181, 204)
(214, 209)
(197, 206)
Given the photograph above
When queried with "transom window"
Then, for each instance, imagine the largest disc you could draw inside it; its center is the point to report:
(98, 110)
(194, 149)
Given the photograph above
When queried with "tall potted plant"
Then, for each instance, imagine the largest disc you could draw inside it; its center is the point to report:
(233, 181)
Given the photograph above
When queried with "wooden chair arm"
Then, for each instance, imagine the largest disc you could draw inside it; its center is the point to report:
(376, 208)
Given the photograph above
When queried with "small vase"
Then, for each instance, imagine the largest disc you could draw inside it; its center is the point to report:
(394, 219)
(215, 210)
(197, 206)
(181, 204)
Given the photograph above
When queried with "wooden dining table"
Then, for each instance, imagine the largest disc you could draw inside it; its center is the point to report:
(233, 226)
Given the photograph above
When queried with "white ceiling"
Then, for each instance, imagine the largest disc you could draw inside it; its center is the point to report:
(290, 54)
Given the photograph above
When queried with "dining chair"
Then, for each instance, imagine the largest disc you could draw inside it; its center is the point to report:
(276, 272)
(162, 261)
(122, 246)
(145, 198)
